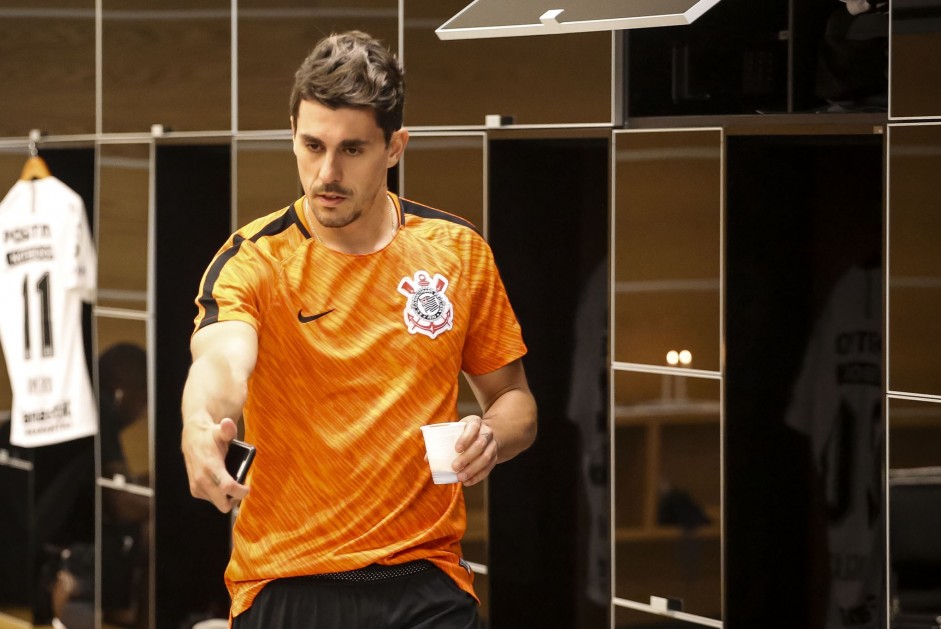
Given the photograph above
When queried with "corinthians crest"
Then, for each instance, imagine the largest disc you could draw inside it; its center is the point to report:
(427, 309)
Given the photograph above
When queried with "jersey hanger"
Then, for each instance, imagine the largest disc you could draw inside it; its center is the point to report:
(35, 167)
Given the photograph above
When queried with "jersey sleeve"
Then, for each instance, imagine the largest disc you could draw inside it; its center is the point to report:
(494, 338)
(235, 285)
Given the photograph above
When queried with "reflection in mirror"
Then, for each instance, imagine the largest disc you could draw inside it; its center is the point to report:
(446, 172)
(124, 551)
(914, 258)
(125, 497)
(17, 548)
(836, 405)
(266, 178)
(667, 199)
(626, 617)
(534, 79)
(915, 513)
(123, 210)
(125, 556)
(151, 47)
(123, 399)
(48, 497)
(274, 37)
(667, 490)
(60, 510)
(804, 422)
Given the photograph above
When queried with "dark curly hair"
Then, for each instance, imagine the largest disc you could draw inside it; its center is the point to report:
(352, 69)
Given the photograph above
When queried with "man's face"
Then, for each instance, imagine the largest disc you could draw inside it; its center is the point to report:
(342, 159)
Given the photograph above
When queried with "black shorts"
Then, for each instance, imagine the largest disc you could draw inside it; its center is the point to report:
(377, 597)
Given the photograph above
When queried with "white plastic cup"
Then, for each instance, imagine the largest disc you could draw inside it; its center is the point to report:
(439, 445)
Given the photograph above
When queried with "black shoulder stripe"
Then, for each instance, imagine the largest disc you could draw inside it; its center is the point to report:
(417, 209)
(280, 224)
(292, 218)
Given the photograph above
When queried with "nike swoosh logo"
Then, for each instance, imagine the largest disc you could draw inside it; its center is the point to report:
(307, 319)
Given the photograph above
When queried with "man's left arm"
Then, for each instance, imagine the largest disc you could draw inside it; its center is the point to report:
(508, 425)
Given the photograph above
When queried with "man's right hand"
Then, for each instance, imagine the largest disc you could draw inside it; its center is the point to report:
(204, 444)
(224, 355)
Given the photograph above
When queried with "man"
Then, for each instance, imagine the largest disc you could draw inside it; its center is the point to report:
(852, 69)
(337, 327)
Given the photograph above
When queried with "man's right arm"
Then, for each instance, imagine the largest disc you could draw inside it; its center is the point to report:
(224, 356)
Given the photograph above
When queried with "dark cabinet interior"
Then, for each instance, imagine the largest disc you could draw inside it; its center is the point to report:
(193, 222)
(745, 57)
(15, 553)
(804, 424)
(732, 60)
(548, 229)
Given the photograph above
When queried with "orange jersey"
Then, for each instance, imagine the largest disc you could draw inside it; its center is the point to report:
(355, 353)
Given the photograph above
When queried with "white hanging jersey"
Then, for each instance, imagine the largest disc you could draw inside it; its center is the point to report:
(47, 268)
(837, 403)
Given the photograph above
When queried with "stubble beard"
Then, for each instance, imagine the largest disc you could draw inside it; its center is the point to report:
(334, 218)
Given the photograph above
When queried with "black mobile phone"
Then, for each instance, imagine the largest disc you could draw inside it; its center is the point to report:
(238, 458)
